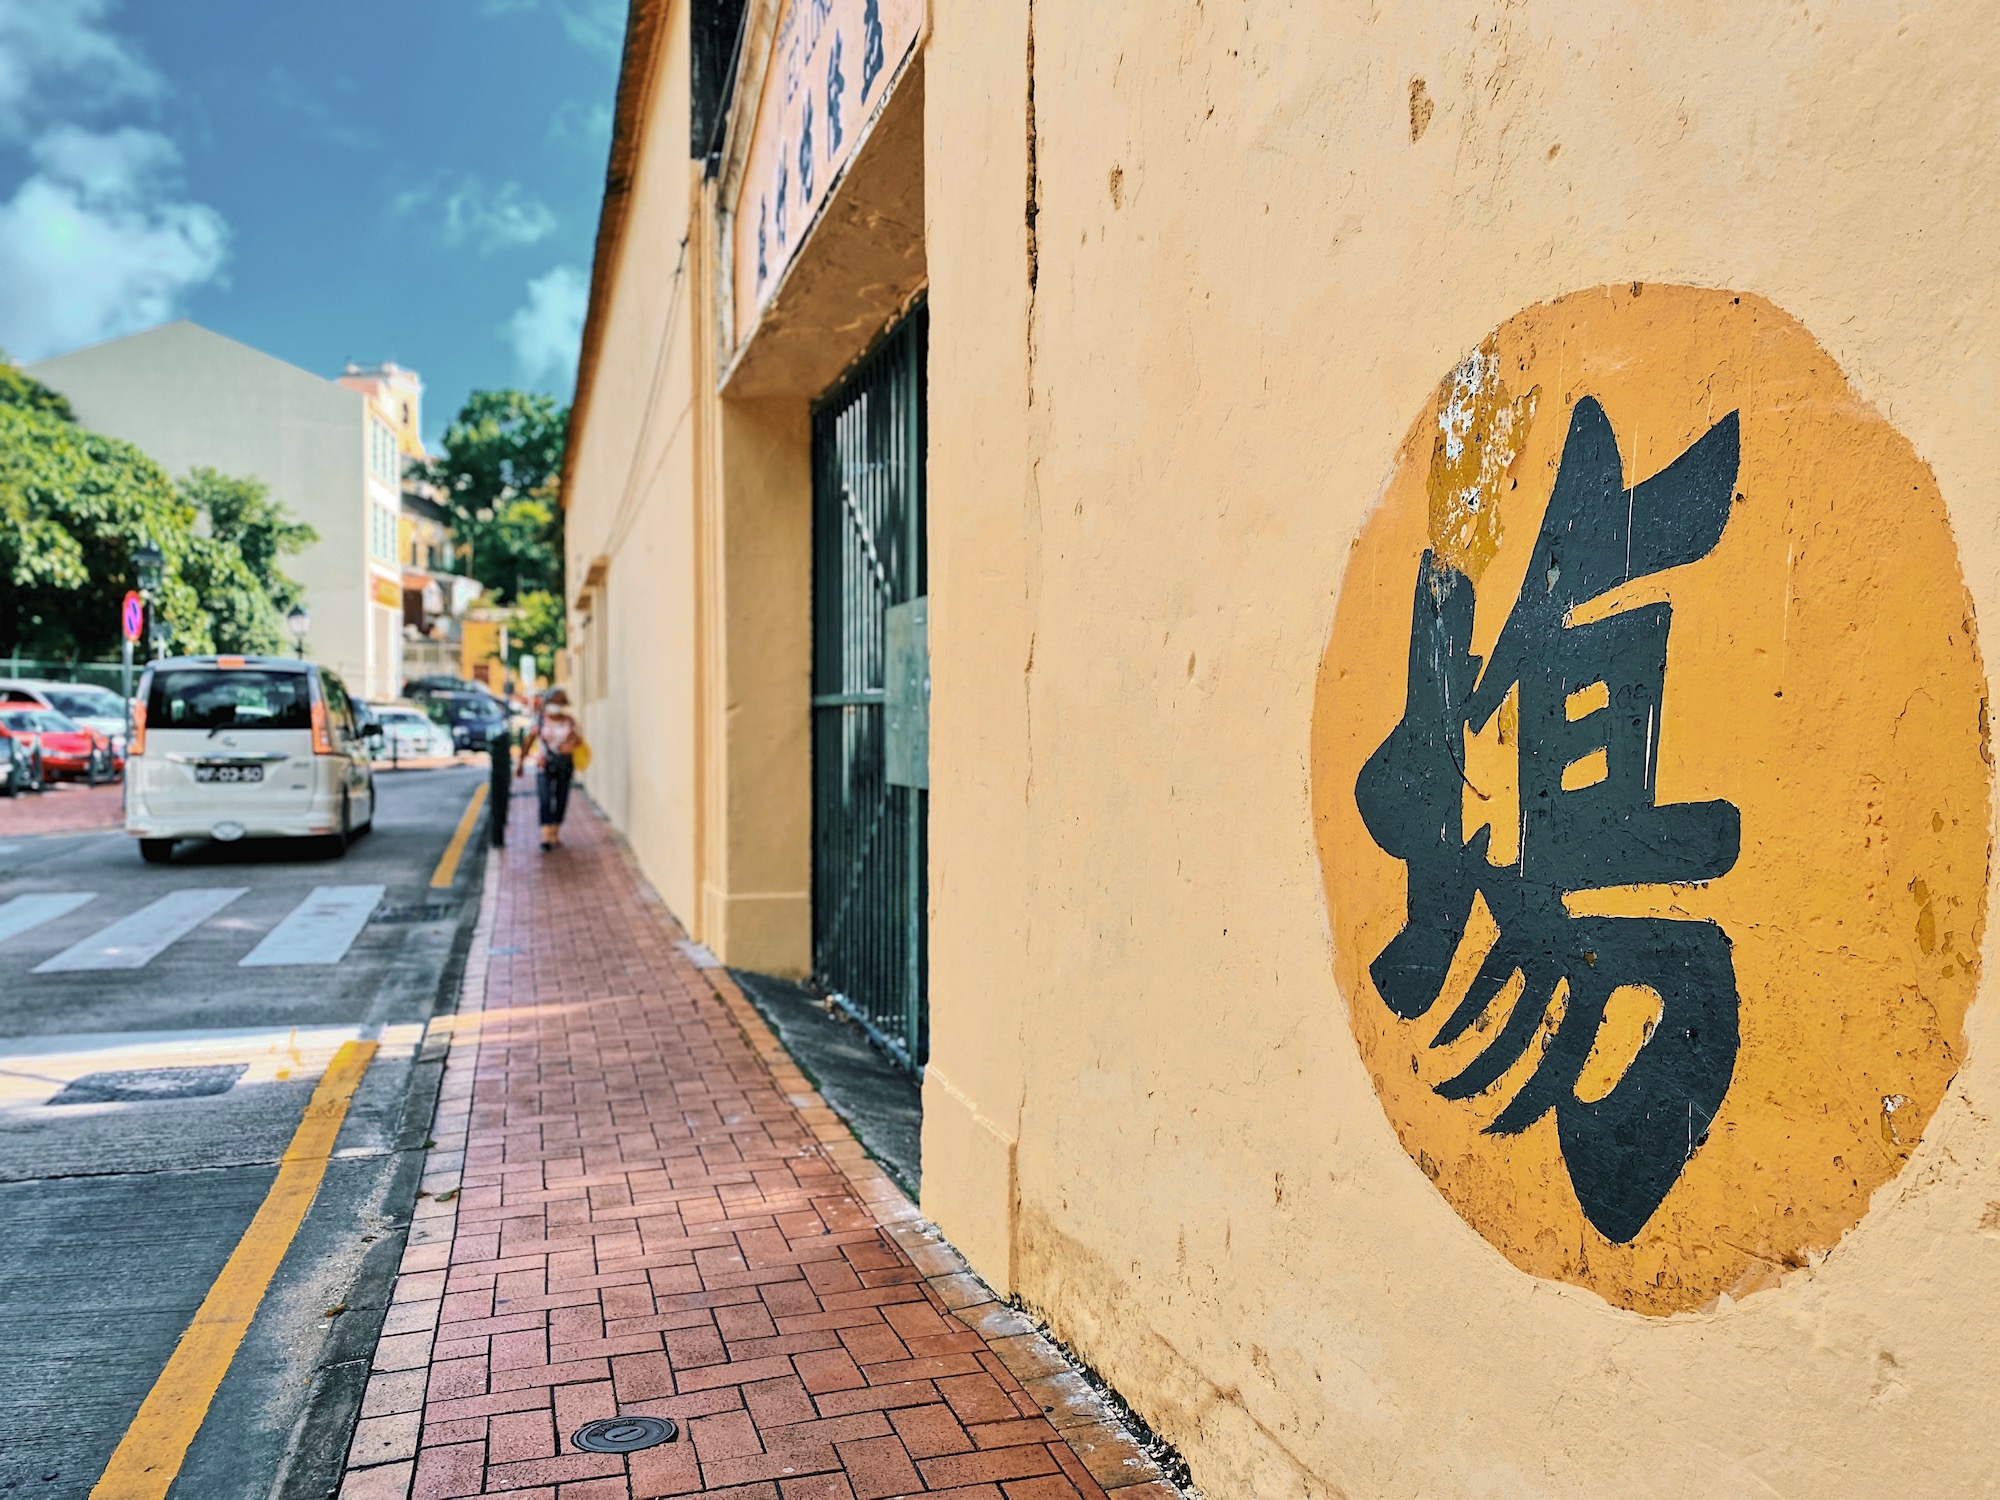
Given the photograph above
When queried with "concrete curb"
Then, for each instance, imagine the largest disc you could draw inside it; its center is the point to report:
(366, 1446)
(316, 1457)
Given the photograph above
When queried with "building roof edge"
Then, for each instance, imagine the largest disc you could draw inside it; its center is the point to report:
(644, 23)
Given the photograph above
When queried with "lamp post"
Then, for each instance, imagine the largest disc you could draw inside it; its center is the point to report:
(146, 563)
(300, 619)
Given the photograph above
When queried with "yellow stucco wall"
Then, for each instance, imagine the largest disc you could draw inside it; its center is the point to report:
(630, 519)
(480, 647)
(1260, 246)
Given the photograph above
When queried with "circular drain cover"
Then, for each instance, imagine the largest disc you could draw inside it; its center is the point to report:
(624, 1434)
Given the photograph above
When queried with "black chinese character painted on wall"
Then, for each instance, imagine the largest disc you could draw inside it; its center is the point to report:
(836, 85)
(1590, 689)
(872, 55)
(782, 192)
(806, 152)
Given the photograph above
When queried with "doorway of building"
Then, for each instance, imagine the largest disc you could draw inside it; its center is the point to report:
(871, 689)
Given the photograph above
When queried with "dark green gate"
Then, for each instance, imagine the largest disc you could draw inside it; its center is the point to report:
(871, 690)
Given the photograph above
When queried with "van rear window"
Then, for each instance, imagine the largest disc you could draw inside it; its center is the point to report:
(240, 698)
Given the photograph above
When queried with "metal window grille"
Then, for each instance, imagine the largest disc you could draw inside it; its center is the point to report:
(869, 888)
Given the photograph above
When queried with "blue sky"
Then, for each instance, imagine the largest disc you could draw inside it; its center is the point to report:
(415, 180)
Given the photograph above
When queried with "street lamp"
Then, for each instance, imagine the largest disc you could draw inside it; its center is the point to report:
(146, 562)
(300, 619)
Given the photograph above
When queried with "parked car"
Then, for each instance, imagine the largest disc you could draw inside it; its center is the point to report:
(228, 747)
(63, 746)
(91, 706)
(409, 734)
(20, 766)
(472, 719)
(424, 687)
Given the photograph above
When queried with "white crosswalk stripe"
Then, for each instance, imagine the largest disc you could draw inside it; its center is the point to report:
(24, 913)
(320, 929)
(133, 942)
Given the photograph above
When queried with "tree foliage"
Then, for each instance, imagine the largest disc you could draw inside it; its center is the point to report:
(500, 475)
(76, 505)
(246, 525)
(235, 568)
(541, 625)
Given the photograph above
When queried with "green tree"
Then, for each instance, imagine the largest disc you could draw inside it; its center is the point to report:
(246, 526)
(18, 388)
(500, 475)
(241, 617)
(76, 505)
(541, 625)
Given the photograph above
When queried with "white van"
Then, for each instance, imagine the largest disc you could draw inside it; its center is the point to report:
(229, 747)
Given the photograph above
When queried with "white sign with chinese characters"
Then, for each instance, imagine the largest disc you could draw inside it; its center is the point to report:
(832, 65)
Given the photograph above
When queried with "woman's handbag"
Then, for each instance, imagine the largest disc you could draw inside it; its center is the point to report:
(580, 756)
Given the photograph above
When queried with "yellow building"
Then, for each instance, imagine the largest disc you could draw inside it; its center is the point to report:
(1440, 896)
(431, 594)
(483, 647)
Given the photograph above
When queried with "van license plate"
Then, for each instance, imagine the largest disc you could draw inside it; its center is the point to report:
(228, 773)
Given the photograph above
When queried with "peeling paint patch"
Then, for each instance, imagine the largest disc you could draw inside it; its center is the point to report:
(1421, 109)
(1481, 427)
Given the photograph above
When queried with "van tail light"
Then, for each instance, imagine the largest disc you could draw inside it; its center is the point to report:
(137, 746)
(322, 741)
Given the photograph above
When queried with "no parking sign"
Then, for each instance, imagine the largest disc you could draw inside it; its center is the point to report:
(134, 615)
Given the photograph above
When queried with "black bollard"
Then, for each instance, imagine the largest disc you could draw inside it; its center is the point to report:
(500, 747)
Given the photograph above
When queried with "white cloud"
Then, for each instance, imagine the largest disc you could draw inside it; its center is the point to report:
(321, 122)
(57, 61)
(496, 221)
(99, 239)
(96, 243)
(546, 329)
(596, 25)
(587, 125)
(504, 219)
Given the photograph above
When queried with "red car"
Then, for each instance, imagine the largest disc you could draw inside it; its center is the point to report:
(67, 748)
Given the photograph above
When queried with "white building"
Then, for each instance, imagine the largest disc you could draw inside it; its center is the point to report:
(331, 454)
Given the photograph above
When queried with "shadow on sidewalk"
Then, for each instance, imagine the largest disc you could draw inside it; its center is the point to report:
(881, 1103)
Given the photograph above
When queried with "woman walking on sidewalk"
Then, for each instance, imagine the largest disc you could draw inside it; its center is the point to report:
(557, 744)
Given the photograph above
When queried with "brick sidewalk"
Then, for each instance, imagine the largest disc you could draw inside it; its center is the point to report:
(638, 1205)
(66, 807)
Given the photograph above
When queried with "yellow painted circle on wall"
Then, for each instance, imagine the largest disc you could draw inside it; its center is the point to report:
(1651, 789)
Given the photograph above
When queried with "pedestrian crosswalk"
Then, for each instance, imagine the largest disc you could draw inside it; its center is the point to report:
(316, 932)
(319, 929)
(135, 941)
(25, 912)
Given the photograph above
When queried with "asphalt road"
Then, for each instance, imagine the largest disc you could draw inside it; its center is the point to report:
(149, 1082)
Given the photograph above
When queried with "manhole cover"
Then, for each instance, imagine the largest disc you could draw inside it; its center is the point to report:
(145, 1084)
(624, 1434)
(426, 913)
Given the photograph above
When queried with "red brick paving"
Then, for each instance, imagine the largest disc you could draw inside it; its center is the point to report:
(637, 1204)
(66, 807)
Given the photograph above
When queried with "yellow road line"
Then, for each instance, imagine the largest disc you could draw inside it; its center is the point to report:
(447, 870)
(150, 1455)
